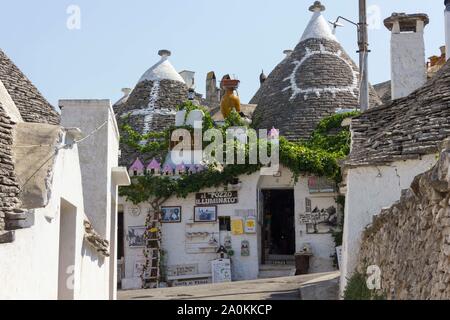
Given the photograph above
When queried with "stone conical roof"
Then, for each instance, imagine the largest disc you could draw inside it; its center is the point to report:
(152, 104)
(33, 107)
(311, 83)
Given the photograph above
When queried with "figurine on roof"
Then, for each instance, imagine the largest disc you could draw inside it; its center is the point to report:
(230, 101)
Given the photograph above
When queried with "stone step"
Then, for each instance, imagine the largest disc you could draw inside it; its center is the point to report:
(276, 271)
(271, 267)
(324, 287)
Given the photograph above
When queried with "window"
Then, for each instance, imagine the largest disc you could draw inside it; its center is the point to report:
(224, 223)
(307, 205)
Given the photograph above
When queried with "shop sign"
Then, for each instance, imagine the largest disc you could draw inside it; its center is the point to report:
(216, 198)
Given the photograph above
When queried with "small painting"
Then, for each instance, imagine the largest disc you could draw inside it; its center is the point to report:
(205, 214)
(320, 221)
(136, 237)
(170, 214)
(138, 267)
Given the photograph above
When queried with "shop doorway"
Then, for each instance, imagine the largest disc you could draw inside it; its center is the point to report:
(278, 230)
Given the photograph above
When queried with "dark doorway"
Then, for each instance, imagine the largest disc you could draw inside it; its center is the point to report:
(278, 234)
(120, 236)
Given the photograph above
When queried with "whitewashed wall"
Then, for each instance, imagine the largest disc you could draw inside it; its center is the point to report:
(244, 268)
(98, 156)
(369, 189)
(29, 265)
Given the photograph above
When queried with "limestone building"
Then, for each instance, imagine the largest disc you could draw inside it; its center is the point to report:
(393, 143)
(151, 105)
(58, 207)
(313, 81)
(287, 217)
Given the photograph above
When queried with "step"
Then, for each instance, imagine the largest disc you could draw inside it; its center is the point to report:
(279, 267)
(324, 287)
(276, 271)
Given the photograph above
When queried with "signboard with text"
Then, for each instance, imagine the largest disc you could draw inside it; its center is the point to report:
(216, 198)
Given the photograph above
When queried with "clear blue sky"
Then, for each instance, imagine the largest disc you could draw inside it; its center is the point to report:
(118, 40)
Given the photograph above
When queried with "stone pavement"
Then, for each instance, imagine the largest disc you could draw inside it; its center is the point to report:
(307, 287)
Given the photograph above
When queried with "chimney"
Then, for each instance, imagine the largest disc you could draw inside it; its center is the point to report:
(126, 91)
(288, 53)
(447, 27)
(189, 78)
(212, 92)
(408, 67)
(262, 78)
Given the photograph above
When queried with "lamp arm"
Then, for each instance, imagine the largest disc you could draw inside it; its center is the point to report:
(349, 21)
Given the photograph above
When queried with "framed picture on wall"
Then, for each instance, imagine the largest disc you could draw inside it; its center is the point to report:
(136, 237)
(170, 214)
(205, 214)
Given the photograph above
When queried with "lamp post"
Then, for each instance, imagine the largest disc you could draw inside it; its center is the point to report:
(363, 45)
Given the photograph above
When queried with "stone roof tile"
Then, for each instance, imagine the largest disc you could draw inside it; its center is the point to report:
(32, 106)
(406, 128)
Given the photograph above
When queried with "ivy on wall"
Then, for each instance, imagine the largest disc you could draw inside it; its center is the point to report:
(320, 155)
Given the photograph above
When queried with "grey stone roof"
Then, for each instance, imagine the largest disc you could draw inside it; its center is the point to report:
(150, 107)
(9, 188)
(310, 84)
(407, 128)
(384, 91)
(32, 106)
(34, 110)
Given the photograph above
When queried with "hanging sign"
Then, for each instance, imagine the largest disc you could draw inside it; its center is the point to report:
(216, 198)
(134, 211)
(237, 227)
(250, 224)
(245, 248)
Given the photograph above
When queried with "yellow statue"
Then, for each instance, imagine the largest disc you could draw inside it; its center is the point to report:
(230, 101)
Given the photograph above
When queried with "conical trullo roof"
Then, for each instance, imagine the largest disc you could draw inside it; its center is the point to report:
(314, 81)
(152, 104)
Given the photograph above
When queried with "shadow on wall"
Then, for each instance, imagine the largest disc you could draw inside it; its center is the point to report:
(86, 250)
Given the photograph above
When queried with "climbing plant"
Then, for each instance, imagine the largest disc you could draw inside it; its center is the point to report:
(319, 155)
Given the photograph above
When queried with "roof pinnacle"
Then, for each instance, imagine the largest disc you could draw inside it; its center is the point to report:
(317, 7)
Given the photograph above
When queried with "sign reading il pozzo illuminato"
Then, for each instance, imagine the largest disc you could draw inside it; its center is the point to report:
(216, 198)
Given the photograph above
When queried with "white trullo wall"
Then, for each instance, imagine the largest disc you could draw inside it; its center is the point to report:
(369, 190)
(175, 245)
(98, 158)
(30, 266)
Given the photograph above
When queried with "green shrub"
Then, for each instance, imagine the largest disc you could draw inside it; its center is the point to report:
(357, 289)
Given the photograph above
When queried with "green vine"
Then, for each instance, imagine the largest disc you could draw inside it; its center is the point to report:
(320, 155)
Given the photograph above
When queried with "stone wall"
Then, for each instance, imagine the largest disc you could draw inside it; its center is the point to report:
(9, 188)
(410, 241)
